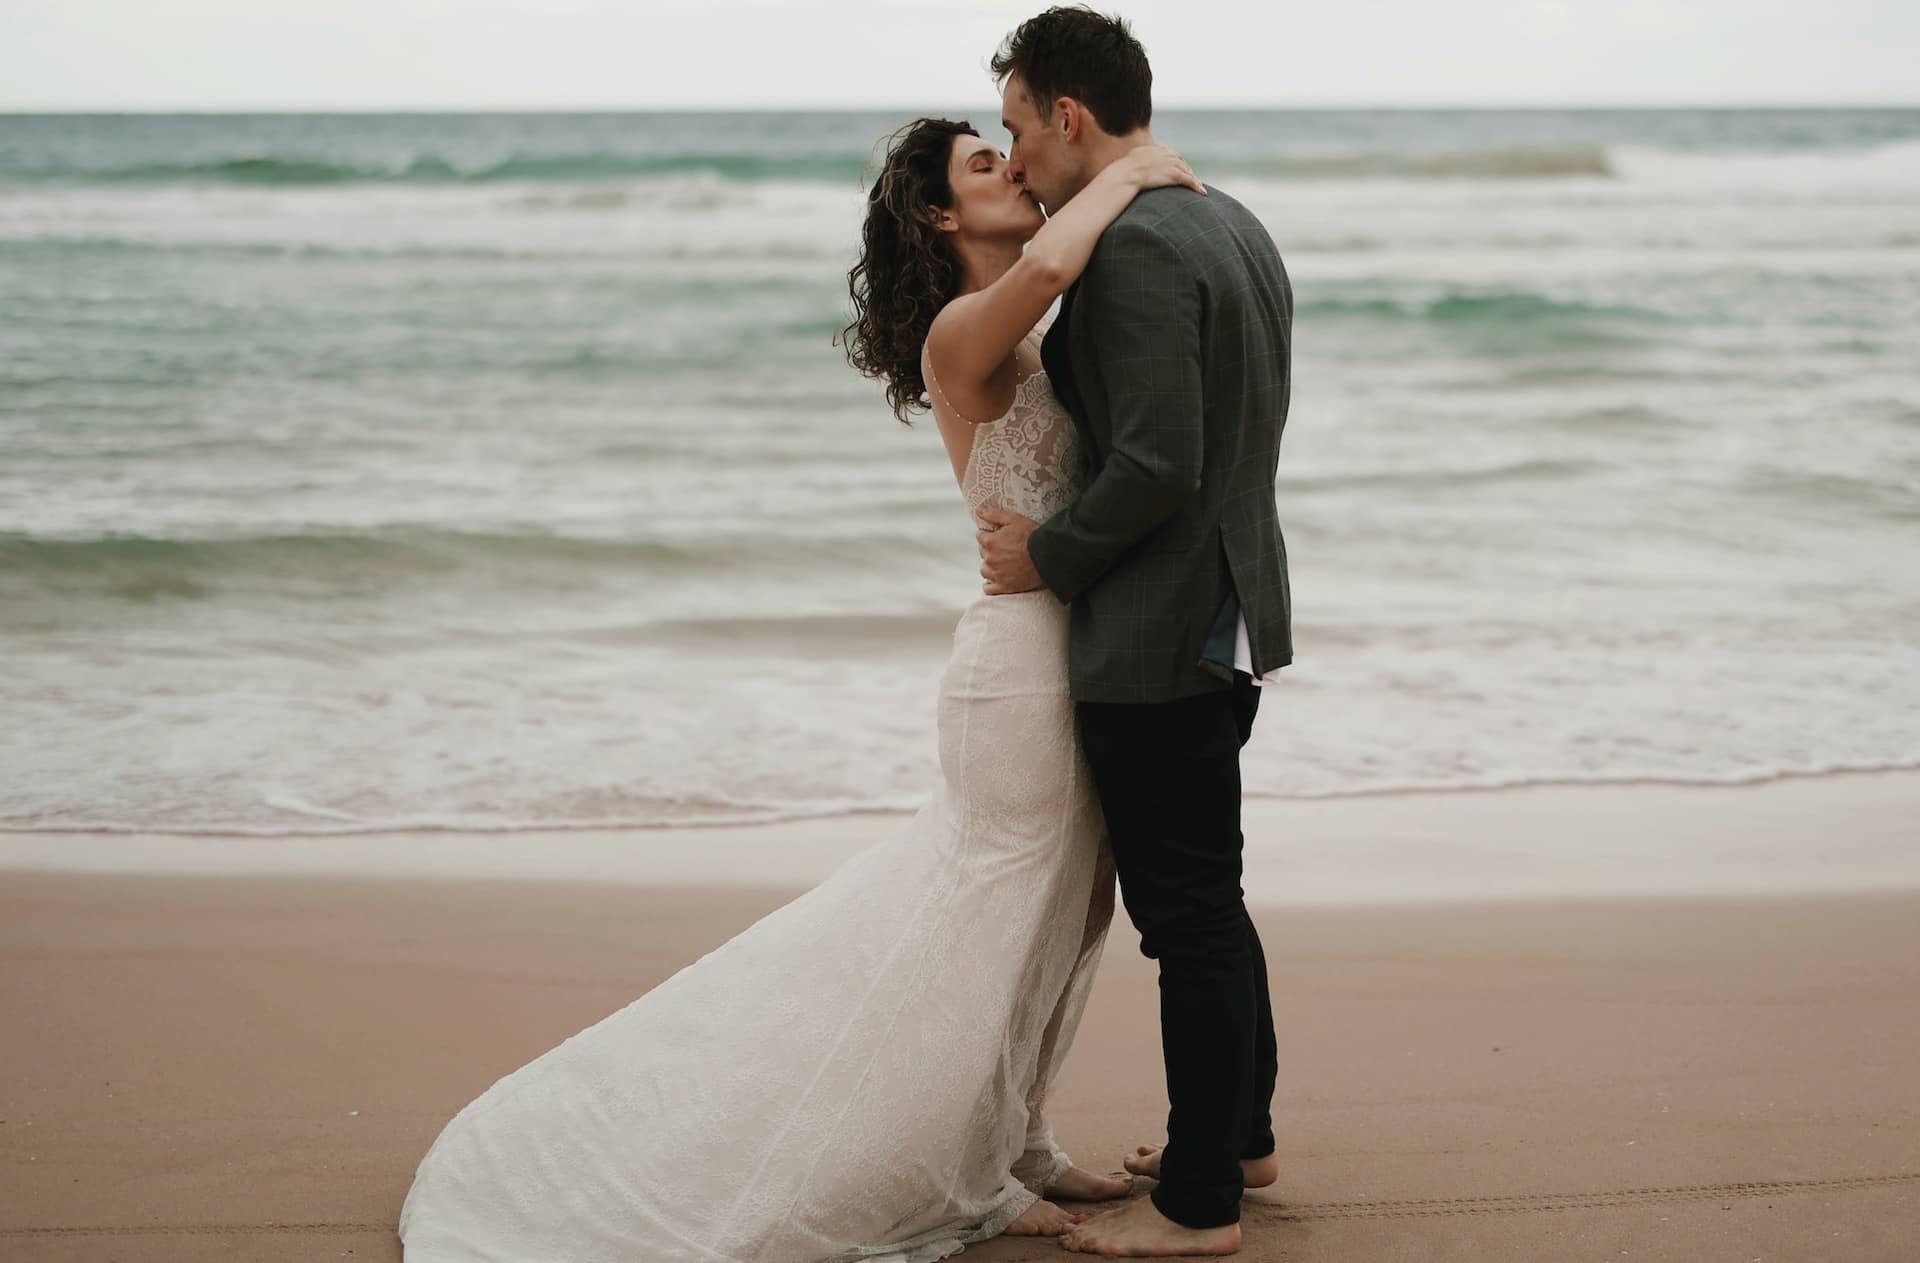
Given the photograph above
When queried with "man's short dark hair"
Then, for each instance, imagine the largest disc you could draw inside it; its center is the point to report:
(1072, 51)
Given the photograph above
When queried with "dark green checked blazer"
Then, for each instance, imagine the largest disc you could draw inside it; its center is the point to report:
(1173, 354)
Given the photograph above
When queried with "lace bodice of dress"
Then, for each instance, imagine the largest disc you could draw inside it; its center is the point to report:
(1027, 460)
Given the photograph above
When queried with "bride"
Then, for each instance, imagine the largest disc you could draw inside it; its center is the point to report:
(862, 1074)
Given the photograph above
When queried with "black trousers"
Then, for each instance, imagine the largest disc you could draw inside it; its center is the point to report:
(1168, 776)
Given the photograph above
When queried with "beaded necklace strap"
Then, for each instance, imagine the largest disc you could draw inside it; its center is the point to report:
(926, 370)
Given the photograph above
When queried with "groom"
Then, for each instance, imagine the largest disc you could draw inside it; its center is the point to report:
(1172, 353)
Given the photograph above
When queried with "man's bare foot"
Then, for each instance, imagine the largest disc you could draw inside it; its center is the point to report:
(1138, 1230)
(1043, 1219)
(1084, 1186)
(1254, 1172)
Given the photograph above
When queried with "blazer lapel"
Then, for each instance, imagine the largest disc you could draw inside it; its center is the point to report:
(1056, 356)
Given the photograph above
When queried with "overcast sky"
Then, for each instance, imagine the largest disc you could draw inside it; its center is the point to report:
(614, 54)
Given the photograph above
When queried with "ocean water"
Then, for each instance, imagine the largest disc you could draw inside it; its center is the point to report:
(490, 471)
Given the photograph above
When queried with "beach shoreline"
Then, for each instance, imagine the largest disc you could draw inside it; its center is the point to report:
(1824, 834)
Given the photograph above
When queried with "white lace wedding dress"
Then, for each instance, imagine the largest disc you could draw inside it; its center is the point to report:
(859, 1075)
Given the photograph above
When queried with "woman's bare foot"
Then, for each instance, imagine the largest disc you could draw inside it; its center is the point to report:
(1084, 1186)
(1139, 1230)
(1042, 1219)
(1254, 1172)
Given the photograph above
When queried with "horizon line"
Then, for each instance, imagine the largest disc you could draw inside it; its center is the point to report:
(885, 108)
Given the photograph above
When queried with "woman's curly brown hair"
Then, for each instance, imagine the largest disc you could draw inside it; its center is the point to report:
(907, 271)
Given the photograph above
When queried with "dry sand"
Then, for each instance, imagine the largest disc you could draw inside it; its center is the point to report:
(248, 1067)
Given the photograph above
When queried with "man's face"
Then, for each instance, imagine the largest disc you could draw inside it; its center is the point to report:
(1037, 154)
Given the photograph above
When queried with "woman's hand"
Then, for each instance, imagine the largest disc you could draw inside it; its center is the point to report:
(1156, 166)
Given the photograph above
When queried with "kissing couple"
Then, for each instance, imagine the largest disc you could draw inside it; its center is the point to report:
(863, 1074)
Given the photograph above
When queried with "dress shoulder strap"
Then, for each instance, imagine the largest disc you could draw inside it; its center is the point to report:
(933, 383)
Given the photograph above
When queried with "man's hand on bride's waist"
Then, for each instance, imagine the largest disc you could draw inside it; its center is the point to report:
(1004, 562)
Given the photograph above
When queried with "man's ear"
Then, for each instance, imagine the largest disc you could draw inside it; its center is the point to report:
(1071, 117)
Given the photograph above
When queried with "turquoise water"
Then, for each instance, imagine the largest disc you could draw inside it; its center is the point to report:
(383, 471)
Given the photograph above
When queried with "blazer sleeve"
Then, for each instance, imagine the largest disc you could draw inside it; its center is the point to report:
(1142, 302)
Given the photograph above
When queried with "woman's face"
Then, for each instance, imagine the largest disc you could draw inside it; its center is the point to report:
(987, 203)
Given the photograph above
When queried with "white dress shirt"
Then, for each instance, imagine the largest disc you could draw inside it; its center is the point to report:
(1243, 654)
